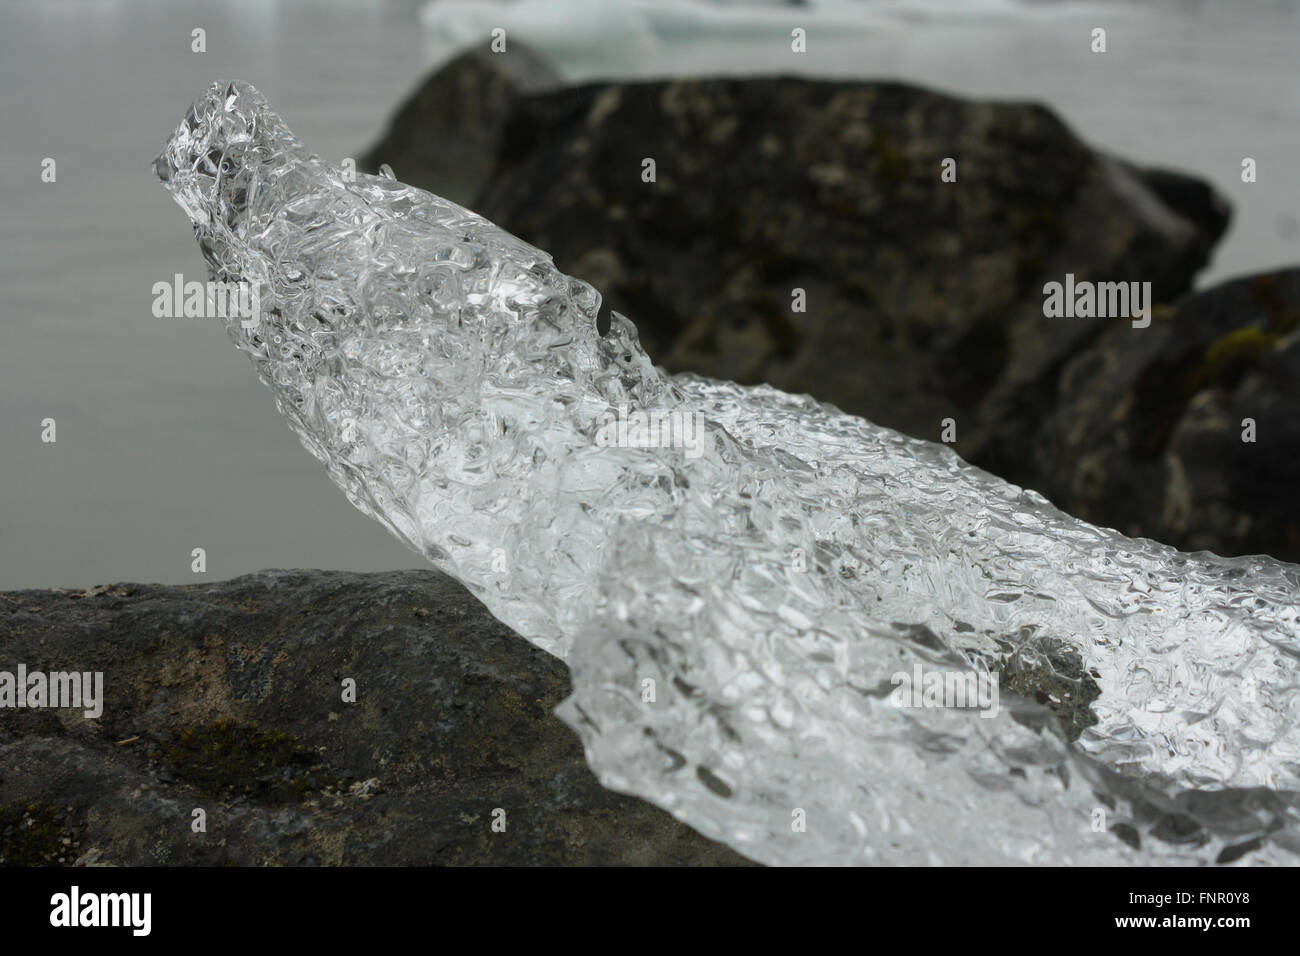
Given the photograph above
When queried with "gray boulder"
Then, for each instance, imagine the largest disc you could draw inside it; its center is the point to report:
(1147, 426)
(446, 135)
(924, 298)
(227, 697)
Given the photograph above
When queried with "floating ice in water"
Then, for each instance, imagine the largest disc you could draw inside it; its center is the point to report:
(735, 614)
(588, 38)
(582, 37)
(606, 38)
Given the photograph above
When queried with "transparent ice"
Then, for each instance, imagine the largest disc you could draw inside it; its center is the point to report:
(453, 382)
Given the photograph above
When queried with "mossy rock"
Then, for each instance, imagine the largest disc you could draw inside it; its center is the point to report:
(227, 759)
(36, 834)
(1228, 357)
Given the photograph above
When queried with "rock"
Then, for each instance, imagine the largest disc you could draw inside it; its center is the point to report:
(1146, 428)
(227, 697)
(1193, 199)
(446, 136)
(924, 298)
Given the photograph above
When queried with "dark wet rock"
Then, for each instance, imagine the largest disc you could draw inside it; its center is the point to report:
(445, 137)
(924, 298)
(1193, 199)
(228, 697)
(1146, 428)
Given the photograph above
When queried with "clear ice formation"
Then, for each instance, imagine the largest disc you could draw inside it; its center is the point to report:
(454, 384)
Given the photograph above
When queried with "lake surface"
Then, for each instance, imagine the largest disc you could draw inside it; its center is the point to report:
(167, 441)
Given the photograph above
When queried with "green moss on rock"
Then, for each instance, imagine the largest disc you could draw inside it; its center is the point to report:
(893, 165)
(1228, 357)
(229, 759)
(36, 834)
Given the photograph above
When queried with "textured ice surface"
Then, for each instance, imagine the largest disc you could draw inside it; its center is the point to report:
(455, 386)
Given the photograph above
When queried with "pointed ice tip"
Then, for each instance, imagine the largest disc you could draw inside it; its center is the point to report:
(227, 131)
(226, 96)
(233, 91)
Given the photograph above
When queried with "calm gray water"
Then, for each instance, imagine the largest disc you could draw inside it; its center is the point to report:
(167, 442)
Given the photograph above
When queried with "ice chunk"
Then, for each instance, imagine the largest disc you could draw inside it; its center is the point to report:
(604, 38)
(737, 577)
